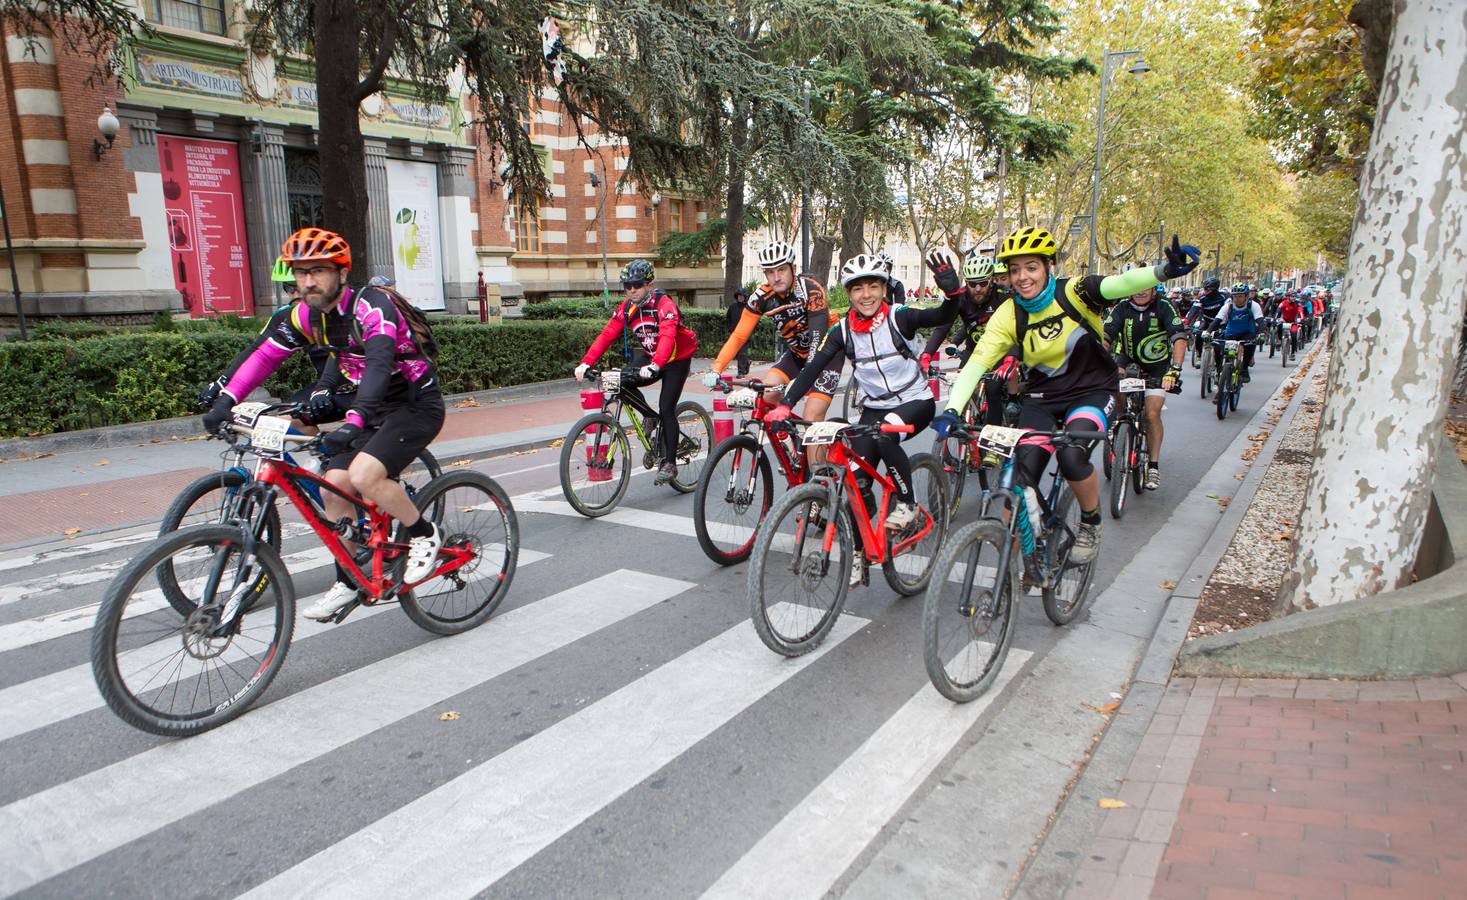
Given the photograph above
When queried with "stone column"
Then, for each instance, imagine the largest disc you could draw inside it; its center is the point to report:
(456, 212)
(379, 212)
(266, 208)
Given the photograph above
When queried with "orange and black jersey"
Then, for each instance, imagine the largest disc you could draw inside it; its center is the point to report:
(801, 316)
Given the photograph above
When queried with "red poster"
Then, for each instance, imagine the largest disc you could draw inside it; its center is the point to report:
(206, 233)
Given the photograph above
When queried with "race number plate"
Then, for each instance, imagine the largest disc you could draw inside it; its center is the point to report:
(824, 432)
(611, 381)
(269, 432)
(1232, 346)
(1132, 385)
(743, 398)
(1000, 440)
(246, 413)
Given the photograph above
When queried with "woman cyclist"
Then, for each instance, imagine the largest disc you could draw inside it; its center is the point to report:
(664, 350)
(1072, 380)
(875, 337)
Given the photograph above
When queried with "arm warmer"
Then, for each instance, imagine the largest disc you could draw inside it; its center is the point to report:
(736, 341)
(996, 341)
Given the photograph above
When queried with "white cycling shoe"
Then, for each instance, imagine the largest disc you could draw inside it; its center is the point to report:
(422, 556)
(331, 602)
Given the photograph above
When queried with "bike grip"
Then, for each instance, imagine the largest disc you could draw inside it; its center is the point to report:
(887, 428)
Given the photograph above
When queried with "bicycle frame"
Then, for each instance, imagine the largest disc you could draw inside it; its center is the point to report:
(873, 539)
(275, 476)
(791, 459)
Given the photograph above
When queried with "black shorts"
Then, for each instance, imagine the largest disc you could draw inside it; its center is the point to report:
(827, 384)
(404, 431)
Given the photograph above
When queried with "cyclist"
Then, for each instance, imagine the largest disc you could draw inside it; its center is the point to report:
(1001, 279)
(1238, 321)
(876, 337)
(1205, 307)
(1072, 381)
(896, 292)
(977, 301)
(797, 305)
(664, 351)
(1291, 314)
(1147, 332)
(326, 400)
(384, 347)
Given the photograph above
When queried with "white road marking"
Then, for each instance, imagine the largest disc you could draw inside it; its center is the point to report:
(526, 797)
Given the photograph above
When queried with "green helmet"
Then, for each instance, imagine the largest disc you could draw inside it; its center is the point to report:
(282, 271)
(977, 268)
(638, 270)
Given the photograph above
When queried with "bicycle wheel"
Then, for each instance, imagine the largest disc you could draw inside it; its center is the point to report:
(1065, 594)
(175, 673)
(1140, 458)
(1119, 486)
(479, 527)
(1284, 351)
(911, 553)
(1224, 386)
(969, 615)
(416, 477)
(953, 456)
(1235, 395)
(1196, 354)
(850, 401)
(735, 490)
(1205, 382)
(595, 465)
(694, 441)
(213, 499)
(796, 588)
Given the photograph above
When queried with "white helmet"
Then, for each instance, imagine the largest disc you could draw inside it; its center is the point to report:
(863, 266)
(885, 259)
(977, 267)
(775, 254)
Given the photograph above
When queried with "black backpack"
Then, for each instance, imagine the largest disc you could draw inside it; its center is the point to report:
(417, 322)
(1067, 309)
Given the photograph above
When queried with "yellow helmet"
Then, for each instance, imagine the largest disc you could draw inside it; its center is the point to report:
(1000, 267)
(1029, 241)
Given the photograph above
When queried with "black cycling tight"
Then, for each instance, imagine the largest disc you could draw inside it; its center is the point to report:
(888, 447)
(1090, 412)
(673, 376)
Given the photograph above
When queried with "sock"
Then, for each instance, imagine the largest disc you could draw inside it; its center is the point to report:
(341, 575)
(1153, 465)
(420, 528)
(1090, 518)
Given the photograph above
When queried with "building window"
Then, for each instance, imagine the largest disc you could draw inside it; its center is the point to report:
(527, 230)
(306, 200)
(206, 16)
(675, 219)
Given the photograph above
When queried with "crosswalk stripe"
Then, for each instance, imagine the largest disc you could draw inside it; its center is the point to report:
(819, 839)
(71, 823)
(70, 692)
(80, 618)
(636, 518)
(526, 797)
(70, 551)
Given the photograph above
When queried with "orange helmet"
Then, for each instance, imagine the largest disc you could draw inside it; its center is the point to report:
(312, 244)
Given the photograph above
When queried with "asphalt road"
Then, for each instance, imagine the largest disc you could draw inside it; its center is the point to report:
(621, 729)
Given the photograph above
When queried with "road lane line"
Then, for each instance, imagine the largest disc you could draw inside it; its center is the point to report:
(64, 826)
(520, 801)
(819, 839)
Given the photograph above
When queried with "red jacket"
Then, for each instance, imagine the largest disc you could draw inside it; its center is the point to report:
(1290, 311)
(657, 325)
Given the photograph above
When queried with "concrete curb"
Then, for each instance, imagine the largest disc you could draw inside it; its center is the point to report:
(1078, 819)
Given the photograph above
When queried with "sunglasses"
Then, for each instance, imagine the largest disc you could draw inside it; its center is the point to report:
(633, 285)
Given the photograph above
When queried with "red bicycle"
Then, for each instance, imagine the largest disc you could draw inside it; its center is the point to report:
(736, 487)
(805, 552)
(181, 662)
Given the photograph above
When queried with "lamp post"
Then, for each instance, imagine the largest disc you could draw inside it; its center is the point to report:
(1136, 68)
(1077, 227)
(10, 254)
(600, 183)
(805, 204)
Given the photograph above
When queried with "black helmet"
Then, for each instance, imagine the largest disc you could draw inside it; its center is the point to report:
(638, 270)
(1211, 283)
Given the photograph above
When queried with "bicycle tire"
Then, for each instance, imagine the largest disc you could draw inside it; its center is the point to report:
(229, 513)
(762, 494)
(1057, 549)
(903, 583)
(1235, 395)
(759, 560)
(954, 469)
(850, 404)
(430, 465)
(934, 647)
(618, 448)
(461, 524)
(1142, 457)
(113, 617)
(1205, 382)
(1196, 354)
(690, 466)
(1119, 484)
(1224, 385)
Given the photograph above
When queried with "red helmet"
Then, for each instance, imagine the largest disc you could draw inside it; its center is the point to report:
(314, 245)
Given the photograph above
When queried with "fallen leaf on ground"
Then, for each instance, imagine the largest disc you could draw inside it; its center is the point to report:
(450, 717)
(466, 402)
(1111, 803)
(1240, 477)
(1168, 585)
(1108, 708)
(1224, 501)
(72, 531)
(1279, 535)
(102, 462)
(459, 462)
(555, 443)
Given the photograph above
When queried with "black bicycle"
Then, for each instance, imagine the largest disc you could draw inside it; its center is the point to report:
(970, 610)
(1229, 377)
(1126, 452)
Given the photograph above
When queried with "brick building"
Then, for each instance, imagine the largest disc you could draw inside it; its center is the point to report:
(216, 162)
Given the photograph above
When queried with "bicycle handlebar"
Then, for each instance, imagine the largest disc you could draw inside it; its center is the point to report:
(849, 431)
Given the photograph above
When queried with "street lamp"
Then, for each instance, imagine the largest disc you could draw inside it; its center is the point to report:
(601, 214)
(1137, 67)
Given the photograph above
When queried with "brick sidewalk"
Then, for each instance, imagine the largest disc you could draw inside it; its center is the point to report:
(1277, 788)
